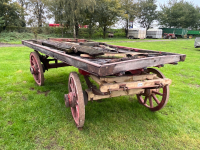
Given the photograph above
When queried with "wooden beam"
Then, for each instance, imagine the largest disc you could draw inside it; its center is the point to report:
(92, 96)
(138, 84)
(128, 78)
(96, 79)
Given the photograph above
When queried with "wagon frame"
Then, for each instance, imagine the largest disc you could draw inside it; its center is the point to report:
(116, 78)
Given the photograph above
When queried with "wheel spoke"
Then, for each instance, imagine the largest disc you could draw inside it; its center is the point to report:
(145, 100)
(150, 102)
(157, 93)
(155, 98)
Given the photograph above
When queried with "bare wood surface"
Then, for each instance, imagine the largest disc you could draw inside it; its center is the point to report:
(96, 79)
(92, 96)
(128, 78)
(69, 47)
(149, 83)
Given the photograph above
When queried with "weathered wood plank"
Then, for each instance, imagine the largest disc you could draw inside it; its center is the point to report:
(71, 47)
(92, 96)
(96, 79)
(149, 83)
(128, 78)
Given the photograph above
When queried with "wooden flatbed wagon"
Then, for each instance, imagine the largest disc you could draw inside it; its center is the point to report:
(117, 70)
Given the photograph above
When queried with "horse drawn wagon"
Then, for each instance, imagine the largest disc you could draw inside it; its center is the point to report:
(117, 70)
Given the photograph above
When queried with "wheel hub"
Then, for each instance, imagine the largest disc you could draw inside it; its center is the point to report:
(148, 92)
(33, 70)
(70, 100)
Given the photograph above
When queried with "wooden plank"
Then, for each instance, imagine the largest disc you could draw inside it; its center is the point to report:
(92, 96)
(149, 83)
(138, 64)
(90, 43)
(96, 79)
(71, 47)
(128, 78)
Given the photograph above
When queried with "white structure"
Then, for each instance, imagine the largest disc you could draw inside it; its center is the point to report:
(136, 33)
(154, 33)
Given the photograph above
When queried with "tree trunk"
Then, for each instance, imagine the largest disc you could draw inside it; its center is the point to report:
(126, 29)
(74, 31)
(77, 29)
(104, 32)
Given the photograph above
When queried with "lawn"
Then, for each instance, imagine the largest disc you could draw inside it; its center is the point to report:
(34, 117)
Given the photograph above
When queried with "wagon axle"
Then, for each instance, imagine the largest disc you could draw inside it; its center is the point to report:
(33, 70)
(70, 100)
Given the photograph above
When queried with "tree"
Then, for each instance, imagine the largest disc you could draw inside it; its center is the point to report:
(130, 12)
(74, 11)
(10, 11)
(107, 13)
(179, 14)
(37, 9)
(1, 21)
(147, 13)
(24, 6)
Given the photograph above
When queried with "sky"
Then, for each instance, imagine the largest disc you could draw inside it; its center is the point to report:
(195, 2)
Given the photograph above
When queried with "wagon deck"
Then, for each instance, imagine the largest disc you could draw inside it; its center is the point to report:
(139, 58)
(117, 70)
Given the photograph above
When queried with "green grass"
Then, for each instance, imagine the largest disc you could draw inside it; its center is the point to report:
(31, 120)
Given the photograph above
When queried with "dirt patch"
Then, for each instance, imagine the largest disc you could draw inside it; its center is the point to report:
(10, 92)
(31, 89)
(0, 98)
(130, 99)
(10, 122)
(45, 92)
(10, 45)
(24, 98)
(194, 85)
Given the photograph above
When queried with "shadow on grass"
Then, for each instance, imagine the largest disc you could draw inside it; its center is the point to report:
(115, 111)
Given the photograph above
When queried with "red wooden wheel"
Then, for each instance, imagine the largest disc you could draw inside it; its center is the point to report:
(154, 99)
(77, 98)
(36, 68)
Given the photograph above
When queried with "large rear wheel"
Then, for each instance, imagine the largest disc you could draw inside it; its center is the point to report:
(76, 99)
(36, 68)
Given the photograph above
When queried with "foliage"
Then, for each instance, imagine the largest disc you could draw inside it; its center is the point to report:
(15, 37)
(147, 13)
(23, 13)
(179, 14)
(70, 12)
(130, 12)
(34, 117)
(37, 9)
(1, 21)
(10, 11)
(107, 13)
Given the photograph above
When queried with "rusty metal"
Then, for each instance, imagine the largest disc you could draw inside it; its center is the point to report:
(47, 65)
(70, 100)
(92, 87)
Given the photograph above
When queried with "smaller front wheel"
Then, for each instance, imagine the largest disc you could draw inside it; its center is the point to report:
(154, 99)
